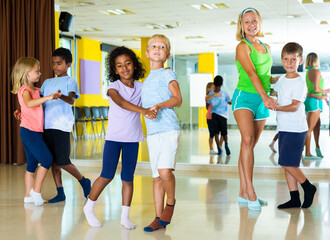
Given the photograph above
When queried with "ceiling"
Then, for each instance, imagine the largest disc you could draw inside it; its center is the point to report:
(283, 21)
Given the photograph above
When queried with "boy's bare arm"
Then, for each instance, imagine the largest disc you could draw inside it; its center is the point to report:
(174, 101)
(69, 99)
(289, 108)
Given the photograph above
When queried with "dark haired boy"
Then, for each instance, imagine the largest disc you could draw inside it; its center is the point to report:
(59, 120)
(220, 114)
(292, 126)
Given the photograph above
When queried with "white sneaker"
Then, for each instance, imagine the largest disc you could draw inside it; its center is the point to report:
(213, 152)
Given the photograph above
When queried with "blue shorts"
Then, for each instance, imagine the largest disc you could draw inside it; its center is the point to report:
(210, 127)
(111, 155)
(313, 104)
(250, 101)
(36, 150)
(290, 148)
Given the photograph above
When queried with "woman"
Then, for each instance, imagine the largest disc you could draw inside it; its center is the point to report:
(250, 100)
(313, 102)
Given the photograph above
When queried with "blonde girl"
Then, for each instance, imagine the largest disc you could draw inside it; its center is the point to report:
(313, 103)
(250, 100)
(25, 74)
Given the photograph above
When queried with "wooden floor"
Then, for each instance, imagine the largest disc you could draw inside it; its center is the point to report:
(206, 206)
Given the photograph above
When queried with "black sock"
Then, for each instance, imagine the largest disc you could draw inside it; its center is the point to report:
(293, 203)
(309, 190)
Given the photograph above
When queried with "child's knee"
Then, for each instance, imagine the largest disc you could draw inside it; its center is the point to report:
(165, 174)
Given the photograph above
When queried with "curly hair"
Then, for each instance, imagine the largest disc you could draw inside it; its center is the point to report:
(63, 53)
(139, 71)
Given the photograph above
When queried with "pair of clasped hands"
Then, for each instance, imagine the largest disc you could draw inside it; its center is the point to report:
(150, 113)
(269, 102)
(54, 96)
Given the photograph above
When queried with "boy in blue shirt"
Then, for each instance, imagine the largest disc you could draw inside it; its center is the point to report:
(59, 120)
(292, 126)
(161, 93)
(220, 114)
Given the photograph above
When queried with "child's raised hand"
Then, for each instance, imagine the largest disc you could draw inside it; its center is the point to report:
(17, 114)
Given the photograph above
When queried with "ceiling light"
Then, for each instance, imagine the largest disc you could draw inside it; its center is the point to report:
(86, 3)
(273, 43)
(314, 1)
(194, 37)
(217, 45)
(131, 39)
(161, 26)
(89, 29)
(117, 12)
(231, 22)
(209, 6)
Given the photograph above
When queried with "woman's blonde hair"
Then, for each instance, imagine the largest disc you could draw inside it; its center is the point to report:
(208, 86)
(312, 60)
(240, 34)
(18, 75)
(164, 38)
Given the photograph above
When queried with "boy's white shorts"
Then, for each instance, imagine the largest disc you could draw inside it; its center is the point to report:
(162, 150)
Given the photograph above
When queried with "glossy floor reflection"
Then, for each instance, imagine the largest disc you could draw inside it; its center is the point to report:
(194, 149)
(206, 209)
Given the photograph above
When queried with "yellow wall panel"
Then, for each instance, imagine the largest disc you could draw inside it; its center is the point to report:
(206, 64)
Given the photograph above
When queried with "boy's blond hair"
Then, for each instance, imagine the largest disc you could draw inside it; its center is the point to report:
(292, 48)
(164, 38)
(18, 75)
(240, 34)
(312, 60)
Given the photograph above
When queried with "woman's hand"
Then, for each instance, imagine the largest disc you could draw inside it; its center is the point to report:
(270, 103)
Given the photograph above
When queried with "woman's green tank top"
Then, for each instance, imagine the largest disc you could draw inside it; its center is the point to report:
(310, 85)
(262, 63)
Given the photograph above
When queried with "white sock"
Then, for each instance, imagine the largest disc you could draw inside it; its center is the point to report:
(125, 218)
(89, 213)
(37, 198)
(28, 200)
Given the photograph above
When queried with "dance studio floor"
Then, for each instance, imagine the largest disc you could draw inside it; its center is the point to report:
(206, 206)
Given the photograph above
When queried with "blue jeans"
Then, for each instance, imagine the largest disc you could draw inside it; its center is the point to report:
(36, 150)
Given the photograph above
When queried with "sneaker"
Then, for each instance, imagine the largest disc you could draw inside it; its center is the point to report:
(227, 149)
(318, 152)
(213, 152)
(219, 151)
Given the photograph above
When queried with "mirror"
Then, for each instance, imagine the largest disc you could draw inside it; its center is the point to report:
(203, 41)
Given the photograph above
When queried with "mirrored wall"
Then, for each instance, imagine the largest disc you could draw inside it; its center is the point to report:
(202, 35)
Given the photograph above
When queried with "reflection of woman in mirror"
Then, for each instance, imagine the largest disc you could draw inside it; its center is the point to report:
(313, 103)
(250, 99)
